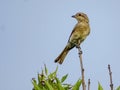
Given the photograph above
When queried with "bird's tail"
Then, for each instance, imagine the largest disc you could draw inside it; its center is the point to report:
(62, 56)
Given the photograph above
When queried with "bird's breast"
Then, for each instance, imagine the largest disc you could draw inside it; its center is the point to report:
(80, 32)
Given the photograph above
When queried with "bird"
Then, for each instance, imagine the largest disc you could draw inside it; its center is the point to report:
(77, 36)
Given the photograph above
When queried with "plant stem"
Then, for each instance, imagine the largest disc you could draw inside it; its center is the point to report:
(82, 69)
(88, 84)
(110, 73)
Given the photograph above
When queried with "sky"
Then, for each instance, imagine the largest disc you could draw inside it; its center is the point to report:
(34, 32)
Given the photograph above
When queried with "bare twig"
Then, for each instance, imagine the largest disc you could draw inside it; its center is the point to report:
(88, 84)
(82, 69)
(110, 73)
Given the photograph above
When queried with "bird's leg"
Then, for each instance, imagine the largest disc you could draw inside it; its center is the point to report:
(78, 46)
(80, 50)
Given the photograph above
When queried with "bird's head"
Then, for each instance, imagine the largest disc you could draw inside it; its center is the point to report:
(81, 17)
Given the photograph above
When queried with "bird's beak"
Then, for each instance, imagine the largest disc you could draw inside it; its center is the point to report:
(73, 16)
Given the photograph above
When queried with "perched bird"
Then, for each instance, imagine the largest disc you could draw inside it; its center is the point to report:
(78, 35)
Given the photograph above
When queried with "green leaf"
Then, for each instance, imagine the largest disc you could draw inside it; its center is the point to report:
(53, 75)
(118, 88)
(99, 86)
(67, 86)
(46, 70)
(64, 78)
(59, 85)
(49, 86)
(77, 85)
(39, 78)
(36, 87)
(56, 70)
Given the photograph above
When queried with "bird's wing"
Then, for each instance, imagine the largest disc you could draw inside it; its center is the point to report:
(72, 33)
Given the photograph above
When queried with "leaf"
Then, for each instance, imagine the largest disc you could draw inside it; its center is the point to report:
(36, 87)
(118, 88)
(59, 85)
(67, 86)
(53, 75)
(39, 78)
(46, 70)
(99, 86)
(49, 86)
(64, 78)
(77, 85)
(56, 70)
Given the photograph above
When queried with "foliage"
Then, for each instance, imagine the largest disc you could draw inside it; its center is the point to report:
(100, 87)
(51, 82)
(118, 88)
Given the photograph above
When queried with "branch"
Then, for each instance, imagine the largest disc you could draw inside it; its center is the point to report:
(110, 73)
(88, 84)
(82, 69)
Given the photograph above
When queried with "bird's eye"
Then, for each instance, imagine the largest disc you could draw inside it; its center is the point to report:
(79, 14)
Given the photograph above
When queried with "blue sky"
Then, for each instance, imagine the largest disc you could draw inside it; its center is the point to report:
(34, 32)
